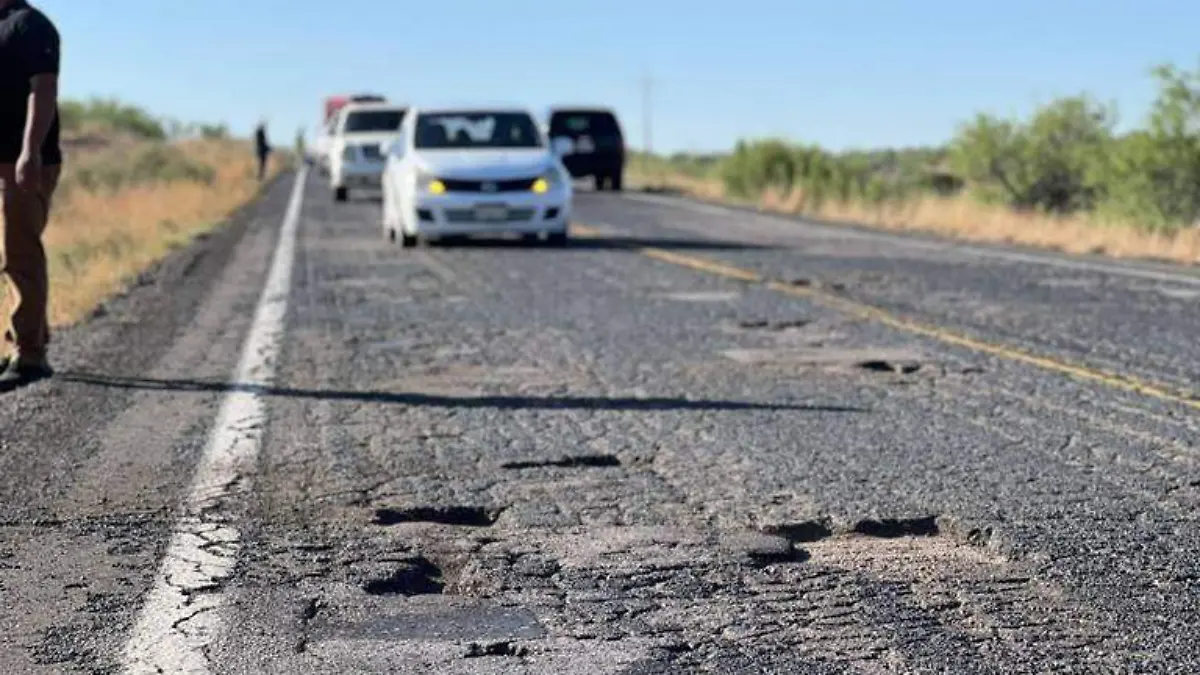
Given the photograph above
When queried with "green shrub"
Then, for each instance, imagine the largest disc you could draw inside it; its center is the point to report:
(148, 164)
(1064, 158)
(111, 115)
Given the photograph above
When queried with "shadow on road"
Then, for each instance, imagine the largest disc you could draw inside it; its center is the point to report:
(503, 402)
(604, 243)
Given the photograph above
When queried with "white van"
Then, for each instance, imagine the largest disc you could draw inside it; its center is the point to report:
(358, 146)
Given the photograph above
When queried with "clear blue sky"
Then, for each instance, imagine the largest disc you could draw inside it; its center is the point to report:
(850, 73)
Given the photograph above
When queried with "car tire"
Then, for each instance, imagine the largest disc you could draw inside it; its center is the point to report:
(408, 240)
(599, 181)
(341, 194)
(615, 181)
(557, 238)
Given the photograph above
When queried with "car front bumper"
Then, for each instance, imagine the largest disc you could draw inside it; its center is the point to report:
(589, 164)
(484, 214)
(358, 175)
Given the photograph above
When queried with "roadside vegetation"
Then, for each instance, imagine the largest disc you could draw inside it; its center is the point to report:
(1065, 177)
(134, 187)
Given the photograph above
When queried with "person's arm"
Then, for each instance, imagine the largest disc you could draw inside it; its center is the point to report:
(43, 104)
(38, 54)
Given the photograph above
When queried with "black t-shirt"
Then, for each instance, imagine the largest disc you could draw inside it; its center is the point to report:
(29, 46)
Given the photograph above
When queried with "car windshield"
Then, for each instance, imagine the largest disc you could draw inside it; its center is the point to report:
(583, 122)
(373, 120)
(481, 130)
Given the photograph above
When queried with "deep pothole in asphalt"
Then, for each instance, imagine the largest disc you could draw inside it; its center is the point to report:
(569, 462)
(418, 576)
(890, 528)
(812, 531)
(466, 516)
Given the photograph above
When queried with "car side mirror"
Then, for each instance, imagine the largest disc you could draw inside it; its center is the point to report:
(562, 145)
(395, 147)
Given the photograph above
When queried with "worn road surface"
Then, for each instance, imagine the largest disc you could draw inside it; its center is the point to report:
(695, 440)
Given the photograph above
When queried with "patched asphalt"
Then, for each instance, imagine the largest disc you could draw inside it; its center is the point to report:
(494, 458)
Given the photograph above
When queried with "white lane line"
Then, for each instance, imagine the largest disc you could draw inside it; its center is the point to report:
(1131, 269)
(183, 612)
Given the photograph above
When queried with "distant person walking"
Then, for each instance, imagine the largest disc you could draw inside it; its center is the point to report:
(262, 148)
(30, 163)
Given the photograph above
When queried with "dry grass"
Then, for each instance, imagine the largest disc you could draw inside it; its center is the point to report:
(99, 239)
(960, 218)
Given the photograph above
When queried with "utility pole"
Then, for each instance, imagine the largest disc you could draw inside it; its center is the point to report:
(647, 148)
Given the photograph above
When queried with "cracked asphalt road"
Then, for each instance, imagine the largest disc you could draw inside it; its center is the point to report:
(491, 458)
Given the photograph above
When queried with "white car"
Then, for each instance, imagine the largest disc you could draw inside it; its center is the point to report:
(474, 171)
(361, 134)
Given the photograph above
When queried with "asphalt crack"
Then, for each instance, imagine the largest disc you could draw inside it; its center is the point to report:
(309, 610)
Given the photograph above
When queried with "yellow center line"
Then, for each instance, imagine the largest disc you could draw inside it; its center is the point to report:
(869, 312)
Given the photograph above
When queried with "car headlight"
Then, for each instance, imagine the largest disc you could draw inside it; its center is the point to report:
(427, 182)
(546, 182)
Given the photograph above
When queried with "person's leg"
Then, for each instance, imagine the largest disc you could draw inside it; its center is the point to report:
(50, 176)
(8, 303)
(25, 215)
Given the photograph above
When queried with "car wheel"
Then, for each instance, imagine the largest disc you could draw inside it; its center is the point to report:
(615, 181)
(341, 194)
(408, 240)
(557, 238)
(598, 179)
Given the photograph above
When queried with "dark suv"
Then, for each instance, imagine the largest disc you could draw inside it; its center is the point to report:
(599, 145)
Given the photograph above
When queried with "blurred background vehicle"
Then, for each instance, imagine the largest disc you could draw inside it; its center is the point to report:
(361, 133)
(331, 106)
(597, 143)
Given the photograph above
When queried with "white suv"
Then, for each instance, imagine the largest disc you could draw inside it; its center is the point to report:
(361, 134)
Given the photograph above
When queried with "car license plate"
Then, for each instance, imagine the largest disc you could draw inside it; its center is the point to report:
(585, 145)
(491, 212)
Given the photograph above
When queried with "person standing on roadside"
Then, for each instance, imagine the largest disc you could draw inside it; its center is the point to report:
(30, 164)
(262, 149)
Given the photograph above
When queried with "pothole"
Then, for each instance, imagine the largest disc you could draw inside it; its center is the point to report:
(805, 282)
(804, 532)
(891, 528)
(476, 650)
(888, 366)
(812, 531)
(578, 461)
(774, 326)
(417, 576)
(466, 516)
(762, 549)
